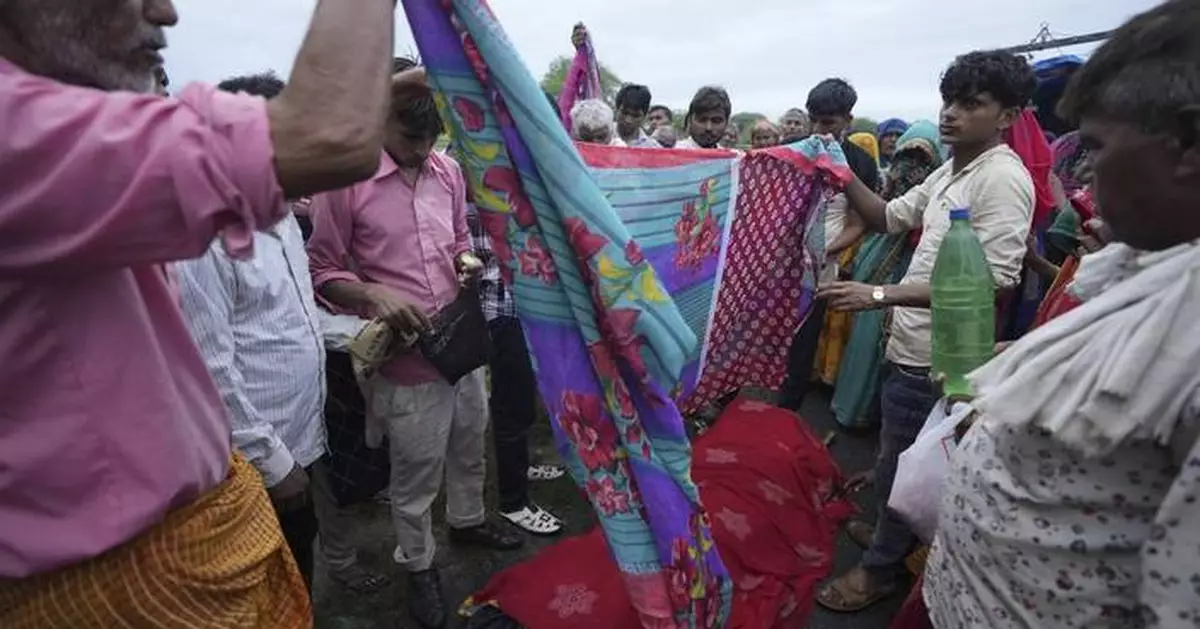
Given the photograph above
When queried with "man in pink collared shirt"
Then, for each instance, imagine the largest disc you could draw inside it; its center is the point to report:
(395, 247)
(114, 445)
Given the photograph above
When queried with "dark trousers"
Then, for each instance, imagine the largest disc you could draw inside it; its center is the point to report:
(801, 358)
(514, 405)
(906, 399)
(300, 530)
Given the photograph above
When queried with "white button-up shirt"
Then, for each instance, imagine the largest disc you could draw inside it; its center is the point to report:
(259, 331)
(998, 191)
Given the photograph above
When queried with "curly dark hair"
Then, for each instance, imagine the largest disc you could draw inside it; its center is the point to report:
(265, 84)
(832, 97)
(710, 98)
(1146, 74)
(633, 97)
(1008, 78)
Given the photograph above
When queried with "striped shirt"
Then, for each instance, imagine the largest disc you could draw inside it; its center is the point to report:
(258, 328)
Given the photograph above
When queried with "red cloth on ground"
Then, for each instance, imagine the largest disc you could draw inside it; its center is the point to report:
(913, 614)
(1028, 140)
(769, 486)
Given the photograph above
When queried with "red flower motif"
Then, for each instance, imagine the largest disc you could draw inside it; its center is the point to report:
(633, 433)
(679, 574)
(583, 241)
(610, 375)
(706, 240)
(594, 439)
(695, 245)
(501, 110)
(505, 180)
(608, 499)
(616, 327)
(536, 261)
(470, 112)
(633, 253)
(704, 188)
(475, 58)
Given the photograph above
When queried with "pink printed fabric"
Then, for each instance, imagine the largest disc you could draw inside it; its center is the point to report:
(582, 81)
(766, 282)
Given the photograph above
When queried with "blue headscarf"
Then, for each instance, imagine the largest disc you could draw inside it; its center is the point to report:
(888, 127)
(892, 125)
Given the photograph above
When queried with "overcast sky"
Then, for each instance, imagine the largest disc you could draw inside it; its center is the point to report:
(768, 53)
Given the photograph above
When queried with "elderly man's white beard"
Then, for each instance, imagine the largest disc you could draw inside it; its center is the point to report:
(58, 47)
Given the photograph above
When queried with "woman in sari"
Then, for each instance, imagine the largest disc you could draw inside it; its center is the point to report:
(882, 259)
(835, 331)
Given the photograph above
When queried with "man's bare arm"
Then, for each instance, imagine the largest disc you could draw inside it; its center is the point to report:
(354, 296)
(868, 205)
(327, 124)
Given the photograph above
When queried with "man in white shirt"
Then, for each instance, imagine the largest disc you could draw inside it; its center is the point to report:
(632, 107)
(983, 94)
(256, 324)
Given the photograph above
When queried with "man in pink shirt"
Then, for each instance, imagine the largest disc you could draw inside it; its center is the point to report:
(119, 506)
(395, 247)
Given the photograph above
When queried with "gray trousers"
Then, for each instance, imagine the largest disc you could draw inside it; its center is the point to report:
(433, 430)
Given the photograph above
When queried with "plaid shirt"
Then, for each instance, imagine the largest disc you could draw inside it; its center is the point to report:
(495, 297)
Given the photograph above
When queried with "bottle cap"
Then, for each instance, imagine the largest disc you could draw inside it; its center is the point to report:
(960, 214)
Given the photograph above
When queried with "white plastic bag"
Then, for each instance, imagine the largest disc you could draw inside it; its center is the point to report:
(917, 492)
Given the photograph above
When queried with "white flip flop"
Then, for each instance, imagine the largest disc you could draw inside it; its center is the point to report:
(545, 472)
(535, 520)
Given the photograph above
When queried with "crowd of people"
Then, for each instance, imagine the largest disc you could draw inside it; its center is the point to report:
(218, 304)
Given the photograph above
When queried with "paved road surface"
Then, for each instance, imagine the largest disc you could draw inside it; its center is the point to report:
(463, 572)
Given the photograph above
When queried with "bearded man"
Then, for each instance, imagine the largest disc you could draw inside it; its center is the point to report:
(121, 504)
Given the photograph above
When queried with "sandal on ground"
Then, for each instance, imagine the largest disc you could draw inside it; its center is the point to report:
(545, 472)
(861, 533)
(360, 580)
(536, 520)
(852, 592)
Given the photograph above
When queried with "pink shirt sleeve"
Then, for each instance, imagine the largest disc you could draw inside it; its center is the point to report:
(329, 245)
(96, 180)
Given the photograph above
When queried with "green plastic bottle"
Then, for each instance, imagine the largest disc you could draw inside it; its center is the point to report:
(964, 307)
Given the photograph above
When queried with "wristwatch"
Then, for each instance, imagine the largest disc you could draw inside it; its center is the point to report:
(878, 295)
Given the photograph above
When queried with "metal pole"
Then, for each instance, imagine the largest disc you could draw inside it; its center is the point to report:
(1059, 43)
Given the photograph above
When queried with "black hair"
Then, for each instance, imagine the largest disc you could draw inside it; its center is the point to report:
(160, 75)
(663, 108)
(1007, 77)
(832, 97)
(400, 64)
(265, 84)
(633, 97)
(708, 98)
(417, 111)
(1146, 74)
(553, 104)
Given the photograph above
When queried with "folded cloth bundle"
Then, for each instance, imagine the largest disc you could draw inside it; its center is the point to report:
(374, 345)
